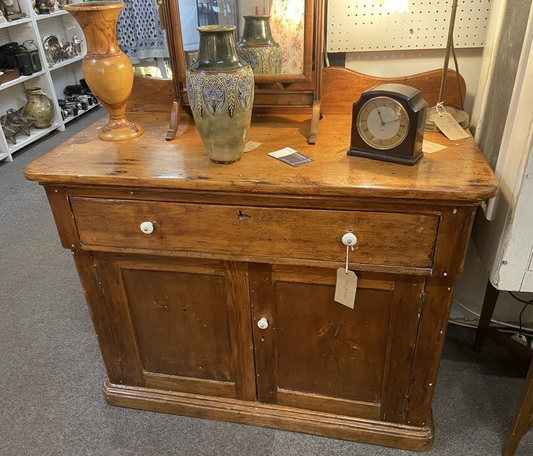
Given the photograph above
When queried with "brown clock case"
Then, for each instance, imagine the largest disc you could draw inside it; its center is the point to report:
(410, 150)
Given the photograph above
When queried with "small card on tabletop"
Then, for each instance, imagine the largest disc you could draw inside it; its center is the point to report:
(291, 157)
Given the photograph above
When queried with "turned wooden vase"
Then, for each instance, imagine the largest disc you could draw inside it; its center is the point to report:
(107, 70)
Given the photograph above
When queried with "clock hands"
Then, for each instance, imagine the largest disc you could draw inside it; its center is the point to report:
(380, 118)
(391, 121)
(383, 122)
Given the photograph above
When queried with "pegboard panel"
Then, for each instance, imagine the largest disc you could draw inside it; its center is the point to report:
(362, 25)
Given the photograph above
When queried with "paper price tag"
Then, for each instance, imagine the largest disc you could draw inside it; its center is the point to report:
(429, 147)
(449, 126)
(346, 287)
(251, 145)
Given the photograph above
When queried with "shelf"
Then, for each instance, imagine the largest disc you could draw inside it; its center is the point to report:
(20, 80)
(66, 62)
(40, 17)
(24, 20)
(12, 96)
(23, 140)
(81, 112)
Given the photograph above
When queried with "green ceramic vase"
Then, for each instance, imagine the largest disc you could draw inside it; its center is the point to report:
(258, 48)
(220, 88)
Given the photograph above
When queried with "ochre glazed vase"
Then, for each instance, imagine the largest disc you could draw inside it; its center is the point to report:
(40, 107)
(258, 48)
(220, 88)
(107, 70)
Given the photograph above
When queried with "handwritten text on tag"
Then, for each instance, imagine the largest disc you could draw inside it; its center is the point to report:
(346, 287)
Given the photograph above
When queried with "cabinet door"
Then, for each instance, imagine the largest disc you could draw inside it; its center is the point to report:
(181, 325)
(318, 354)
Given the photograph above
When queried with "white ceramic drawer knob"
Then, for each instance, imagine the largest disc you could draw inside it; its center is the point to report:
(147, 227)
(263, 323)
(349, 239)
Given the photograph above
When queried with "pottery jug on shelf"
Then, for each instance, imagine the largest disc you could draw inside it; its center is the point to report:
(107, 70)
(258, 48)
(220, 88)
(40, 107)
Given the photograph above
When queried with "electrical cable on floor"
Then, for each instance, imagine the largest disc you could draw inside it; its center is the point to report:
(527, 303)
(502, 323)
(504, 330)
(519, 299)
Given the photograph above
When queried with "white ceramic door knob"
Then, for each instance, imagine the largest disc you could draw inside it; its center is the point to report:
(349, 239)
(263, 323)
(147, 227)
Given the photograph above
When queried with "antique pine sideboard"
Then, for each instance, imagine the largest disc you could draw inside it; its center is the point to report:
(175, 307)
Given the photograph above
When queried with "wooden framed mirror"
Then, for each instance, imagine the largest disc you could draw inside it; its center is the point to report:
(295, 25)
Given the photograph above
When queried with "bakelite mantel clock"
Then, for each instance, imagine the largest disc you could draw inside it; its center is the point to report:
(388, 124)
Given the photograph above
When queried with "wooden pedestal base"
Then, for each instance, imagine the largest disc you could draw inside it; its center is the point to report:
(120, 129)
(271, 416)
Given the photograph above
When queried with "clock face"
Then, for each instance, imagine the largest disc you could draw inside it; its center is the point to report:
(383, 123)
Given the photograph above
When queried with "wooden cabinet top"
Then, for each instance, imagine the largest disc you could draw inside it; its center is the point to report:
(458, 173)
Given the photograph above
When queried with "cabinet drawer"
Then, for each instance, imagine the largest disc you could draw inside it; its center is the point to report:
(303, 234)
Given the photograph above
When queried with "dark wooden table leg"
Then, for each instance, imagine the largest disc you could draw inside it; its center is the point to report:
(523, 420)
(489, 303)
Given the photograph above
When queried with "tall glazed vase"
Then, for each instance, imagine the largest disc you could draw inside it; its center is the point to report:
(258, 48)
(220, 88)
(107, 70)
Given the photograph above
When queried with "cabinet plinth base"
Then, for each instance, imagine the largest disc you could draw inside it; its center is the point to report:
(271, 416)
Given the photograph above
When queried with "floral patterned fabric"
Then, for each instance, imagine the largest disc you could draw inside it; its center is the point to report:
(139, 31)
(287, 25)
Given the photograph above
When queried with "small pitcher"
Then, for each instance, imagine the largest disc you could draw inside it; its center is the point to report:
(40, 107)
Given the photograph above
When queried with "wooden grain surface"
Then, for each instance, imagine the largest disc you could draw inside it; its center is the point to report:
(191, 310)
(327, 349)
(458, 173)
(273, 416)
(383, 238)
(342, 87)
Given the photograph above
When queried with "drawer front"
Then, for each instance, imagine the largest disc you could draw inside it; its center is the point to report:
(304, 234)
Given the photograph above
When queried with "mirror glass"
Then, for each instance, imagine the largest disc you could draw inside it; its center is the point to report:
(269, 33)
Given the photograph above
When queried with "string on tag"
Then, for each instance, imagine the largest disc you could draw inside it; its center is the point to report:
(347, 254)
(440, 105)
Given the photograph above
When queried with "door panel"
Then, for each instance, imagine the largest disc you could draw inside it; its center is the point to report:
(182, 323)
(175, 311)
(329, 349)
(328, 357)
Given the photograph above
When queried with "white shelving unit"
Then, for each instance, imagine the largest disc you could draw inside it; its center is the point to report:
(52, 80)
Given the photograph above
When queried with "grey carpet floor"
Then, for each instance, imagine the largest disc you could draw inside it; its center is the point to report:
(51, 371)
